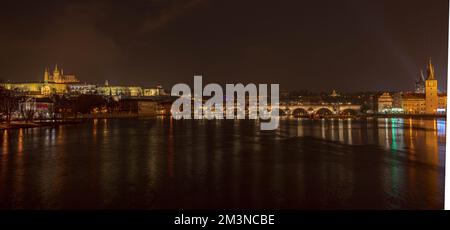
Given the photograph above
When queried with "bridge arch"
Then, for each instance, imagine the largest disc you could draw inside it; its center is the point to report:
(299, 112)
(324, 111)
(349, 111)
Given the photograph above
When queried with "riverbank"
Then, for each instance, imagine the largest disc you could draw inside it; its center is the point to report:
(70, 120)
(84, 118)
(36, 124)
(423, 116)
(372, 116)
(416, 116)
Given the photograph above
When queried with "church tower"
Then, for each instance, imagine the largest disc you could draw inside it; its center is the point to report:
(46, 76)
(431, 92)
(56, 75)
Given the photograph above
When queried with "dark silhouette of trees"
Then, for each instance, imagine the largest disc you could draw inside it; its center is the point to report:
(62, 106)
(112, 105)
(128, 106)
(85, 103)
(9, 103)
(66, 106)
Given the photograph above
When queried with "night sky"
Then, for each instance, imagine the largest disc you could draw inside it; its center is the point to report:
(348, 45)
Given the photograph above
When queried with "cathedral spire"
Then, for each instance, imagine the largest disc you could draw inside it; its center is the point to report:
(46, 75)
(56, 74)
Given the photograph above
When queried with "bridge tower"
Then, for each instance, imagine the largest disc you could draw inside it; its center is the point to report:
(431, 92)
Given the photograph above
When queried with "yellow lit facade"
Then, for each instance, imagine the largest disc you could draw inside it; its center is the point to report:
(36, 88)
(413, 103)
(431, 91)
(385, 102)
(59, 77)
(58, 83)
(133, 91)
(442, 102)
(430, 102)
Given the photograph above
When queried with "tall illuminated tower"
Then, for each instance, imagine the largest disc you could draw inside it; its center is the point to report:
(56, 75)
(431, 90)
(46, 76)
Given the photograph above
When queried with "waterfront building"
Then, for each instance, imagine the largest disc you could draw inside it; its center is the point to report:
(442, 103)
(41, 108)
(431, 91)
(425, 99)
(385, 102)
(413, 103)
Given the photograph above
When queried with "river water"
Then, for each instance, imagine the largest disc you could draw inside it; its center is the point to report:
(167, 164)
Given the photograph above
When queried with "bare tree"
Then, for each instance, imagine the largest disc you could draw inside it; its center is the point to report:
(9, 103)
(28, 108)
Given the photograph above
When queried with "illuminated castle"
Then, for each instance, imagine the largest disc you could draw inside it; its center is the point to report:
(58, 83)
(59, 77)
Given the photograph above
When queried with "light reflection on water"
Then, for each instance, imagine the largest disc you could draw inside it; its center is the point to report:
(410, 135)
(391, 163)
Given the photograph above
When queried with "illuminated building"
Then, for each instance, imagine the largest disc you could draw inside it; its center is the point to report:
(37, 88)
(431, 91)
(59, 77)
(424, 100)
(385, 102)
(131, 91)
(107, 90)
(158, 91)
(38, 107)
(82, 88)
(334, 94)
(442, 103)
(59, 83)
(413, 103)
